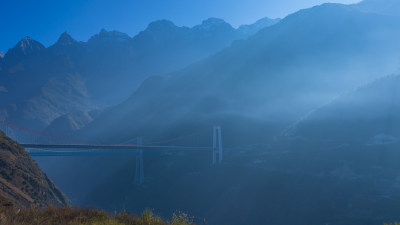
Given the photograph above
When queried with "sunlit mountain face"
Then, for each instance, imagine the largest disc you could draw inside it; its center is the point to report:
(283, 121)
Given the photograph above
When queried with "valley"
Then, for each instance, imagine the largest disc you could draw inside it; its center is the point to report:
(282, 121)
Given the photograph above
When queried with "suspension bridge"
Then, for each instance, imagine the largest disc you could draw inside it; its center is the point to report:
(34, 142)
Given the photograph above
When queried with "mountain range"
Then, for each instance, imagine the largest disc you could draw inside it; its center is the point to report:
(254, 89)
(274, 77)
(105, 69)
(324, 69)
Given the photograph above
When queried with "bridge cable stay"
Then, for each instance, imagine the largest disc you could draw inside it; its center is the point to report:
(139, 173)
(217, 144)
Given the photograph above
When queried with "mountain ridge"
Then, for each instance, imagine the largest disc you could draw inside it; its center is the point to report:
(370, 107)
(274, 50)
(111, 63)
(386, 7)
(65, 39)
(258, 25)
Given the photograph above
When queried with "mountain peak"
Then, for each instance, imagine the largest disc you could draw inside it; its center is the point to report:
(266, 21)
(103, 32)
(105, 35)
(65, 39)
(1, 55)
(214, 24)
(258, 25)
(161, 25)
(212, 21)
(26, 46)
(26, 41)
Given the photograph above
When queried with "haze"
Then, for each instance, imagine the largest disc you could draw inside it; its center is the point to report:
(236, 112)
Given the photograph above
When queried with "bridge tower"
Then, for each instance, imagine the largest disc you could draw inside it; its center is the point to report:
(139, 173)
(217, 144)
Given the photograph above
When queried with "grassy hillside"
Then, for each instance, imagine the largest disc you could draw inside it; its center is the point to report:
(79, 216)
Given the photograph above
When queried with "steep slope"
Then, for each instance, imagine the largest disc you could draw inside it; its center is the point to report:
(273, 77)
(69, 123)
(111, 64)
(22, 183)
(58, 96)
(25, 48)
(368, 115)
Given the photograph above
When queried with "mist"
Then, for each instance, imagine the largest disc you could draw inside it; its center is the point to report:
(306, 107)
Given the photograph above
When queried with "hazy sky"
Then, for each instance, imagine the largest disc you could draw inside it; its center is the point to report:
(45, 20)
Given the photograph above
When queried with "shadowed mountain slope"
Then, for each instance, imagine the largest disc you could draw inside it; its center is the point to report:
(368, 115)
(22, 182)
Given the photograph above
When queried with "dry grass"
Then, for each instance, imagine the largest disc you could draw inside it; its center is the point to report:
(82, 216)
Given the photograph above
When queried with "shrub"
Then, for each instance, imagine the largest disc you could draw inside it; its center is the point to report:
(181, 219)
(82, 216)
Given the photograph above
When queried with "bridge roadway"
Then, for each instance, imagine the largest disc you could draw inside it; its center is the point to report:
(88, 150)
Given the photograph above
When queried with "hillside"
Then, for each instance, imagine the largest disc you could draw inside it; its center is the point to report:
(79, 216)
(367, 115)
(340, 166)
(22, 182)
(69, 123)
(57, 97)
(270, 79)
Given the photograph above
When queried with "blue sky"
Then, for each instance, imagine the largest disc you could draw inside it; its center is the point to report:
(45, 20)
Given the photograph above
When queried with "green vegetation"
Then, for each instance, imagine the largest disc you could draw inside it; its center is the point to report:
(83, 216)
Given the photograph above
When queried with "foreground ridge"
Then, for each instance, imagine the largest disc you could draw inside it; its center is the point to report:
(84, 216)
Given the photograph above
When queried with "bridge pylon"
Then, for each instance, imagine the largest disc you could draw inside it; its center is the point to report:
(139, 173)
(217, 145)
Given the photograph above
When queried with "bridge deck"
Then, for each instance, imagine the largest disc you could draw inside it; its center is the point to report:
(88, 153)
(111, 147)
(90, 150)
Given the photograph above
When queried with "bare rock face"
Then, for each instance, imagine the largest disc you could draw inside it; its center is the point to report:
(22, 182)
